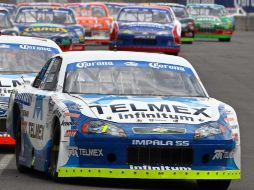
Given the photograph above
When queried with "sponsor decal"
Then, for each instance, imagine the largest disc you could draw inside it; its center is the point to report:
(24, 98)
(38, 108)
(74, 115)
(166, 66)
(152, 111)
(93, 64)
(200, 1)
(69, 123)
(84, 152)
(46, 29)
(160, 143)
(15, 83)
(131, 63)
(70, 133)
(145, 167)
(223, 154)
(32, 47)
(36, 130)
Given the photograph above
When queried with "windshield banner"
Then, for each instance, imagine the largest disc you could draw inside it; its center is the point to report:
(127, 63)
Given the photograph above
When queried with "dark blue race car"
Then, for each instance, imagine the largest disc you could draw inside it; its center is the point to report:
(147, 29)
(55, 23)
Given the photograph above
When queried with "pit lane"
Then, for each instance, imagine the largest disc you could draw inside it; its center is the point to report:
(226, 69)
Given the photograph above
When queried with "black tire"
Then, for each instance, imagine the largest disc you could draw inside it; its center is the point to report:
(21, 168)
(54, 152)
(213, 184)
(224, 39)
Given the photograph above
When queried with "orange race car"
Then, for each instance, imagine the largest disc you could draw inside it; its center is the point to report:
(95, 17)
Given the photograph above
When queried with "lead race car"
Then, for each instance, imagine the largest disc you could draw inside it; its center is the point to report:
(52, 22)
(152, 29)
(211, 21)
(20, 59)
(124, 115)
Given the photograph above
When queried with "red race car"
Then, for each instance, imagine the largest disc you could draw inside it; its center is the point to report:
(95, 17)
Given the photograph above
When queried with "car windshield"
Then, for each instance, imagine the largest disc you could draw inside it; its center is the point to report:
(131, 80)
(4, 21)
(45, 15)
(15, 58)
(144, 15)
(206, 11)
(180, 12)
(89, 10)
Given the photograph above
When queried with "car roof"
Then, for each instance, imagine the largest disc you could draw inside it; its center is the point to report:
(80, 56)
(205, 5)
(28, 41)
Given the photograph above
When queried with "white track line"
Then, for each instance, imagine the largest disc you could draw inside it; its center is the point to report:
(4, 162)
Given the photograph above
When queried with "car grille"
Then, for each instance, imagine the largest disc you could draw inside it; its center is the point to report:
(3, 125)
(160, 156)
(144, 42)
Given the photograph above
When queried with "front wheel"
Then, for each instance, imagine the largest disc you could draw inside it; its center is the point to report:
(54, 152)
(213, 184)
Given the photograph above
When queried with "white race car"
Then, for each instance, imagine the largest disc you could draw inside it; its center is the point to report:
(124, 115)
(20, 59)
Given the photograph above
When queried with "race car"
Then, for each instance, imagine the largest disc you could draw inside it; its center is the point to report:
(20, 59)
(96, 19)
(211, 21)
(6, 26)
(187, 23)
(151, 29)
(55, 23)
(124, 115)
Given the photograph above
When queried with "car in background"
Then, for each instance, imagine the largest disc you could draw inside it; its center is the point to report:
(6, 26)
(236, 11)
(124, 115)
(211, 21)
(114, 8)
(10, 7)
(20, 59)
(55, 23)
(149, 29)
(187, 23)
(95, 17)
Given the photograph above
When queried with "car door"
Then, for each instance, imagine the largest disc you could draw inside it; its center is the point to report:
(38, 122)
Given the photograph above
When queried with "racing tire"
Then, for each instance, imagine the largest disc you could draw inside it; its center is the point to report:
(20, 168)
(224, 39)
(54, 152)
(213, 184)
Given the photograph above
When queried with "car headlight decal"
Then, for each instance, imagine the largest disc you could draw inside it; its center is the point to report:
(100, 127)
(209, 129)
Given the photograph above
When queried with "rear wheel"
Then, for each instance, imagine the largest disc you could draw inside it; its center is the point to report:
(18, 147)
(213, 184)
(55, 152)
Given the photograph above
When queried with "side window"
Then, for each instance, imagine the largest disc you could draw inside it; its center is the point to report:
(51, 76)
(40, 76)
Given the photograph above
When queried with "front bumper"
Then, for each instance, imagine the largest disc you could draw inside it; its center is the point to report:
(147, 174)
(210, 33)
(145, 49)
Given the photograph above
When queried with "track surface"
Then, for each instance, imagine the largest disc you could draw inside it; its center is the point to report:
(226, 70)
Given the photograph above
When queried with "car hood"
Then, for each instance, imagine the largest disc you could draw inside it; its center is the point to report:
(8, 82)
(145, 26)
(130, 109)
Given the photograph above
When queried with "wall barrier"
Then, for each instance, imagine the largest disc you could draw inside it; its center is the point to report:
(245, 23)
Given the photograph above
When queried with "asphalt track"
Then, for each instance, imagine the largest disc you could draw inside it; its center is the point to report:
(226, 70)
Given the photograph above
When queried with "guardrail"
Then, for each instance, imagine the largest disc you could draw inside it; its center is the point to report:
(245, 23)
